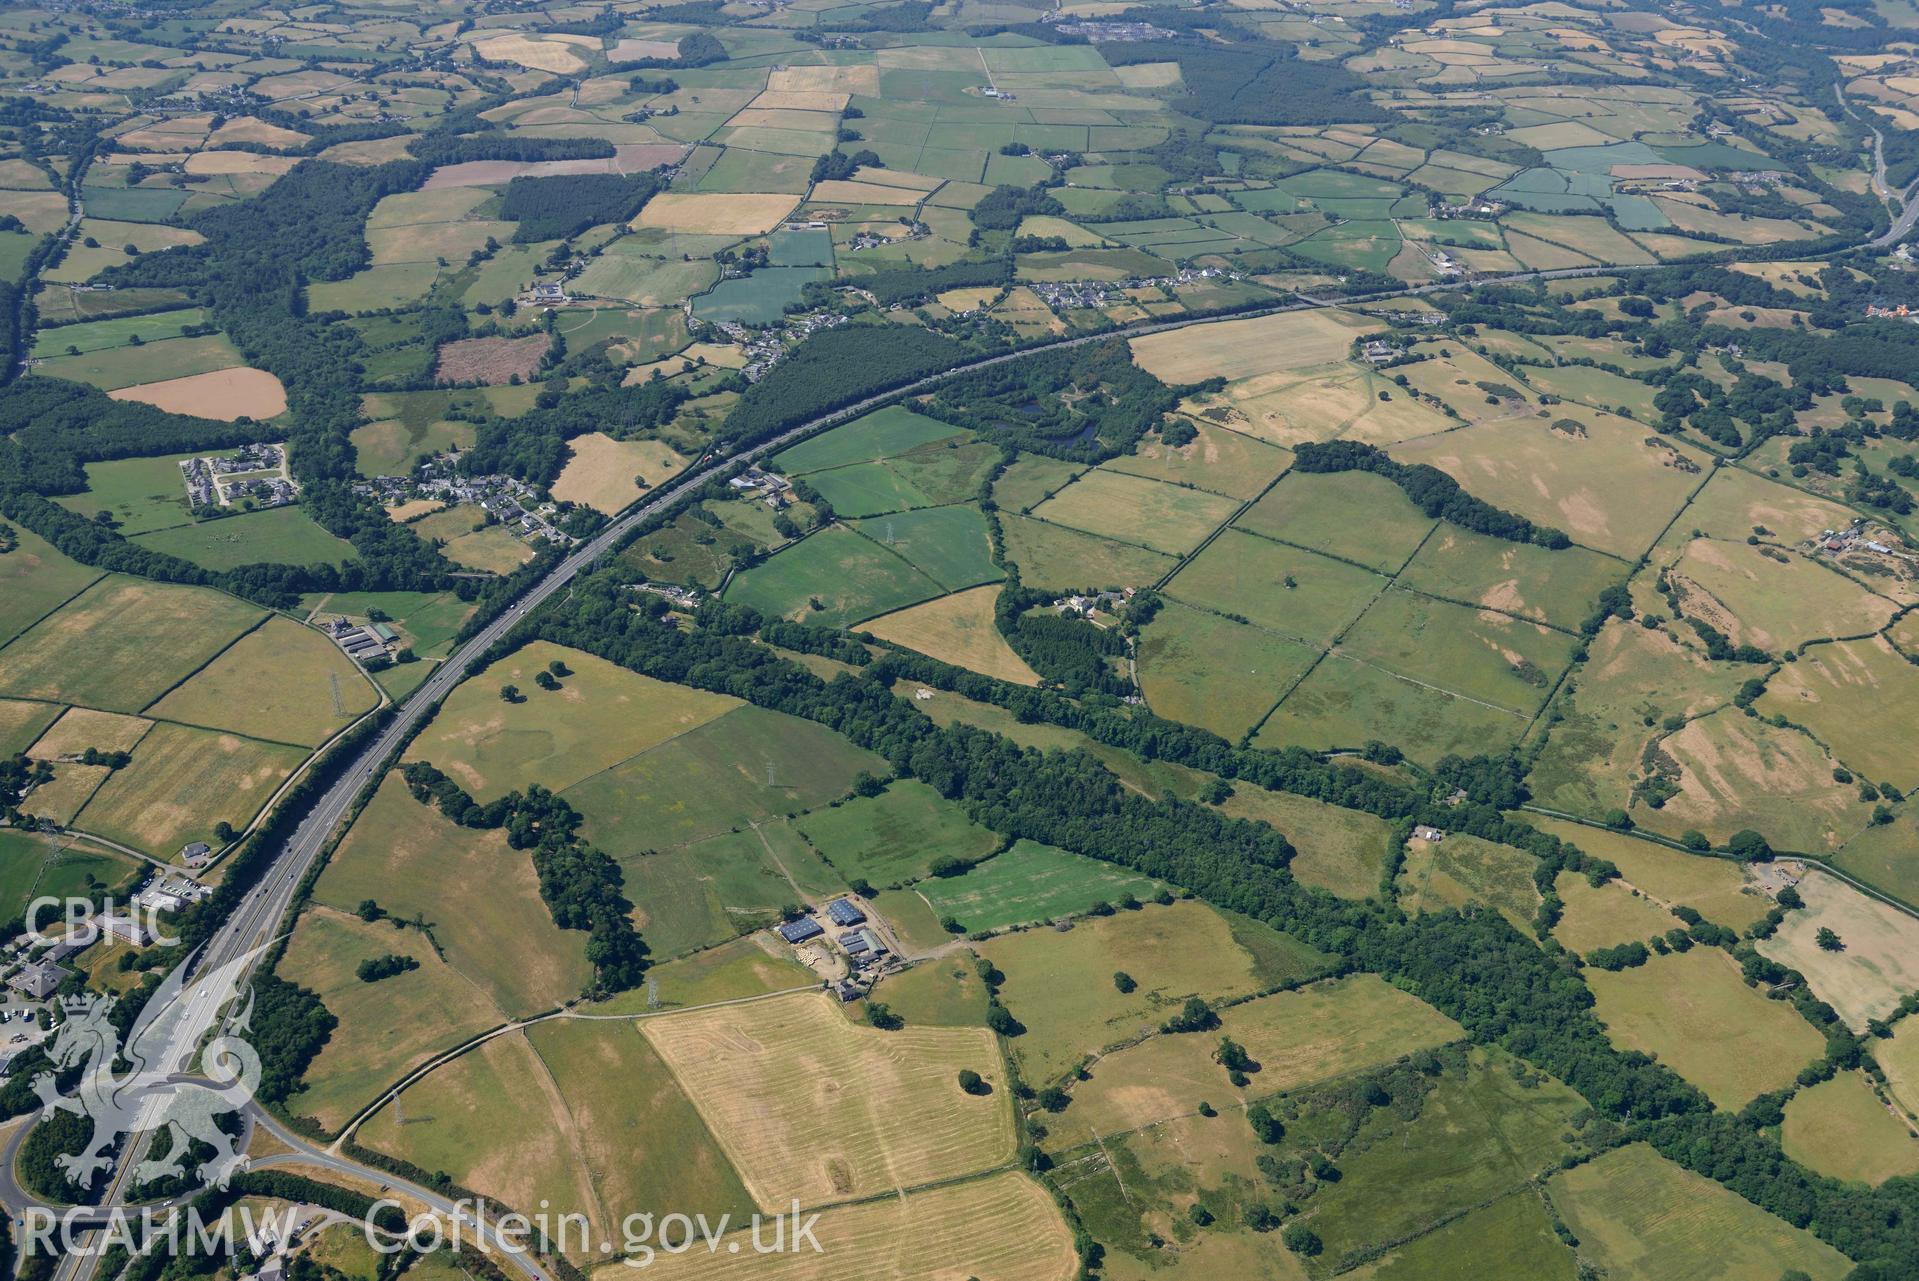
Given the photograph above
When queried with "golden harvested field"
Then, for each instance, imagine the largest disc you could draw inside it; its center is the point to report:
(865, 193)
(1112, 504)
(80, 728)
(601, 715)
(61, 799)
(1736, 771)
(1005, 1227)
(1608, 489)
(1857, 696)
(1313, 1034)
(1694, 1011)
(860, 78)
(23, 723)
(225, 394)
(717, 213)
(956, 629)
(1843, 1129)
(808, 1106)
(1607, 915)
(281, 681)
(183, 781)
(602, 472)
(1880, 960)
(212, 163)
(1297, 342)
(386, 1028)
(1716, 888)
(409, 858)
(538, 53)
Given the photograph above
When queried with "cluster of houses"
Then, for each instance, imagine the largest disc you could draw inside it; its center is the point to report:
(1480, 208)
(364, 643)
(683, 598)
(1067, 295)
(511, 501)
(256, 472)
(1116, 32)
(1893, 311)
(765, 348)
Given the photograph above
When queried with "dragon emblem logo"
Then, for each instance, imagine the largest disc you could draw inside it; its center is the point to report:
(157, 1091)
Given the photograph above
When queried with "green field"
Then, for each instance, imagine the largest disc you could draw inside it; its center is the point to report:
(35, 580)
(1208, 670)
(1173, 952)
(1841, 1128)
(744, 767)
(758, 299)
(1345, 703)
(281, 536)
(1030, 481)
(1483, 656)
(850, 576)
(152, 362)
(697, 895)
(1340, 850)
(881, 434)
(1637, 1214)
(1133, 509)
(943, 472)
(141, 494)
(1030, 883)
(897, 836)
(1693, 1011)
(280, 682)
(386, 1028)
(138, 638)
(1053, 556)
(1463, 870)
(1297, 594)
(1316, 511)
(1555, 587)
(601, 715)
(950, 545)
(33, 864)
(1479, 1135)
(104, 335)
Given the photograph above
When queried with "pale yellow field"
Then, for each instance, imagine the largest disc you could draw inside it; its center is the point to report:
(1608, 489)
(225, 394)
(1857, 696)
(543, 53)
(602, 473)
(957, 629)
(1313, 1034)
(865, 193)
(1606, 915)
(862, 79)
(1292, 341)
(80, 728)
(1880, 960)
(716, 213)
(1842, 1128)
(1899, 1060)
(1716, 888)
(808, 1105)
(224, 162)
(1738, 771)
(1005, 1227)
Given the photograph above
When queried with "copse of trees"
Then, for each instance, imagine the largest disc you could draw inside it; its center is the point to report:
(830, 371)
(562, 207)
(1083, 404)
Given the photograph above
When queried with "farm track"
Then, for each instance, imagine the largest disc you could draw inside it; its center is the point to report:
(264, 908)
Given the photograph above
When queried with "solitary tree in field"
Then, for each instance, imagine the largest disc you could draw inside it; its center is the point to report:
(546, 681)
(1828, 940)
(1124, 981)
(510, 694)
(971, 1082)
